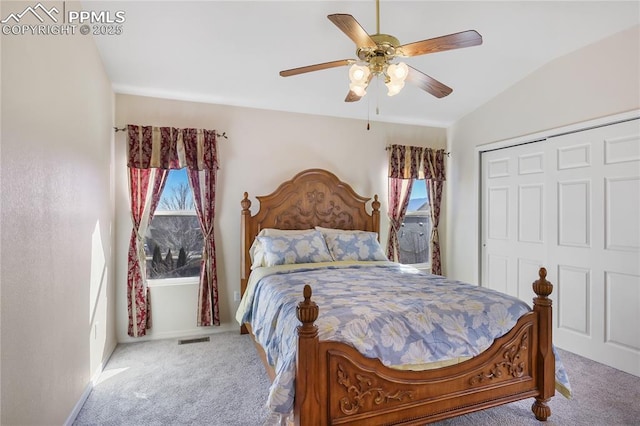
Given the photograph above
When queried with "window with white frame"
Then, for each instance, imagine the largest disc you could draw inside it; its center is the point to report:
(415, 230)
(173, 242)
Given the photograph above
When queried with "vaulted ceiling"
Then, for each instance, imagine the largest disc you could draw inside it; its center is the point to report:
(231, 52)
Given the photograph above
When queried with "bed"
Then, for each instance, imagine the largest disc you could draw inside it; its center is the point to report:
(332, 382)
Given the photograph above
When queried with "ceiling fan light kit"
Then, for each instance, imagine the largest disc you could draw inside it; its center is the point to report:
(398, 71)
(396, 74)
(394, 87)
(359, 74)
(376, 54)
(359, 77)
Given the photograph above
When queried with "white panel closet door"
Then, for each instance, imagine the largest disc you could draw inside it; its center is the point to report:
(571, 203)
(513, 219)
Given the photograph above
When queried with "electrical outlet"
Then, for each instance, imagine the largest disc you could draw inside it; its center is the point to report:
(236, 296)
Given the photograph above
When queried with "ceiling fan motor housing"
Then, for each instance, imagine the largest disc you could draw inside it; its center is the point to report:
(378, 57)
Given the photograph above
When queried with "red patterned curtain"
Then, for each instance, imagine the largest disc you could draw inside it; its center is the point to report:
(404, 162)
(152, 151)
(203, 184)
(399, 192)
(433, 166)
(145, 187)
(407, 163)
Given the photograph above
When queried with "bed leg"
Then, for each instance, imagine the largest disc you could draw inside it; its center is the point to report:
(307, 404)
(540, 409)
(545, 360)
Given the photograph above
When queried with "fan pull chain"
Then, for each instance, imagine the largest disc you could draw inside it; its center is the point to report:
(368, 111)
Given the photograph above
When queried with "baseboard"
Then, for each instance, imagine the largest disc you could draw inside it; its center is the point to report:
(195, 332)
(79, 404)
(84, 396)
(87, 390)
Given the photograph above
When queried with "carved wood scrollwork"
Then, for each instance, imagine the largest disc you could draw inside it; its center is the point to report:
(512, 364)
(296, 217)
(365, 386)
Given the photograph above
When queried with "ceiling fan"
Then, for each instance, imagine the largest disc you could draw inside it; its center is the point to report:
(377, 53)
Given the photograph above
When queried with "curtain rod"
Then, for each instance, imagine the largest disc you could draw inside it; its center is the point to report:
(388, 147)
(223, 135)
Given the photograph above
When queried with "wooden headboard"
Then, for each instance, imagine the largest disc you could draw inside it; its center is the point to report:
(313, 197)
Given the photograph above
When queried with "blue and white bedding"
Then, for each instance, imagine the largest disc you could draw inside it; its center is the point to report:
(385, 310)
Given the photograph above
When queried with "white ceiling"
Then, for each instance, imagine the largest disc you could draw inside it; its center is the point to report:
(230, 52)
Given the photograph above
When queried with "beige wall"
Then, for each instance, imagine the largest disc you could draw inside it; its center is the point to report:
(597, 81)
(57, 312)
(264, 148)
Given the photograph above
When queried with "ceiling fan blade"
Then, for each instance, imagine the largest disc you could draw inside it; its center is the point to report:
(316, 67)
(352, 97)
(440, 44)
(352, 29)
(428, 84)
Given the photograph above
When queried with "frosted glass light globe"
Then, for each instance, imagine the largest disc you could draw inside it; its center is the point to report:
(398, 71)
(359, 74)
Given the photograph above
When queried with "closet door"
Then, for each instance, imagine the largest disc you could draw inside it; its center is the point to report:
(571, 203)
(514, 219)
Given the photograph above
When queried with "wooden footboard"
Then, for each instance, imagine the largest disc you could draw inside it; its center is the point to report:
(336, 385)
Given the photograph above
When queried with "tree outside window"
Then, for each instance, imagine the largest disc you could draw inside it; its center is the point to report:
(173, 243)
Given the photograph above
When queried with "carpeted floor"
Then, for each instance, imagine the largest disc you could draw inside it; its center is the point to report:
(220, 382)
(223, 382)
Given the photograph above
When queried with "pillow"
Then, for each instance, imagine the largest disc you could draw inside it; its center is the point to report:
(355, 246)
(256, 254)
(271, 232)
(294, 248)
(326, 231)
(337, 231)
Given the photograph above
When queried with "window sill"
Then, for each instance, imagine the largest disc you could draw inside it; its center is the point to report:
(168, 282)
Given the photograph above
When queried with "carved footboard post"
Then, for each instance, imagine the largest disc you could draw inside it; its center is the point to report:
(545, 360)
(307, 405)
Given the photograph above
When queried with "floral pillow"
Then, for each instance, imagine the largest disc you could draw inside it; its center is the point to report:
(355, 246)
(297, 248)
(256, 251)
(326, 231)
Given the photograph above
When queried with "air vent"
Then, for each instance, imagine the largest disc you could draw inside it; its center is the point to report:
(194, 340)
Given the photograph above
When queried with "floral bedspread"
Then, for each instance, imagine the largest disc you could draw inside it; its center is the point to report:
(385, 310)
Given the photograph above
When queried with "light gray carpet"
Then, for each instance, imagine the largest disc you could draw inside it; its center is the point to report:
(223, 382)
(220, 382)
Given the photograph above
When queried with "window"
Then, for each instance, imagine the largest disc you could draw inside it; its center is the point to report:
(415, 231)
(173, 242)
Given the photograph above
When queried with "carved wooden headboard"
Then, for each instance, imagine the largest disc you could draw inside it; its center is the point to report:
(313, 197)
